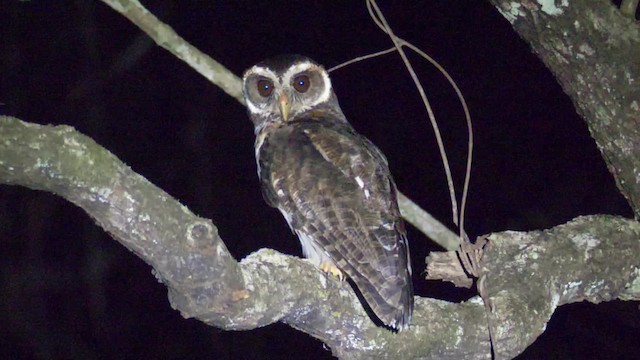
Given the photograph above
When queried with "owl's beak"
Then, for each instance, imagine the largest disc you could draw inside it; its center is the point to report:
(283, 102)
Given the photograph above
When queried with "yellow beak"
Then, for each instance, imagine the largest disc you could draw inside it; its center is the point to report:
(283, 102)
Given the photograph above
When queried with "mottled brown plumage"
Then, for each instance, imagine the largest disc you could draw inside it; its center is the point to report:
(331, 184)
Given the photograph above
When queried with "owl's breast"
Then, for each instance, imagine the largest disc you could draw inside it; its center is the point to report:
(288, 159)
(321, 163)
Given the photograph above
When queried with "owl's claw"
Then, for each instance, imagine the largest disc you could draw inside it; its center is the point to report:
(330, 268)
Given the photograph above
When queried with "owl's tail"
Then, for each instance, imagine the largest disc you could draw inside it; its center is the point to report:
(390, 296)
(391, 302)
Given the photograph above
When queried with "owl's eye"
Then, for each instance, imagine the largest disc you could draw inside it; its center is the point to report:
(301, 83)
(265, 87)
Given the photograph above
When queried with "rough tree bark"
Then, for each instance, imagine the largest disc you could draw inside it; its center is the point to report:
(593, 49)
(571, 262)
(524, 276)
(594, 52)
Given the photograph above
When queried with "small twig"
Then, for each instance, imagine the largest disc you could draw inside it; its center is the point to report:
(458, 218)
(467, 115)
(360, 58)
(380, 20)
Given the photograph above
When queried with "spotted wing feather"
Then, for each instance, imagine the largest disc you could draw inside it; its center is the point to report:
(334, 186)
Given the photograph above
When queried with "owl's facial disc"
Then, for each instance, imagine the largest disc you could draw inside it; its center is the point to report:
(283, 96)
(259, 87)
(307, 85)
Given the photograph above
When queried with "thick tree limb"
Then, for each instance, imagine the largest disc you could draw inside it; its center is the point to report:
(593, 51)
(204, 281)
(524, 275)
(592, 258)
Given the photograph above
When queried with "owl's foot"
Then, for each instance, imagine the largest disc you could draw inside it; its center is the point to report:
(330, 268)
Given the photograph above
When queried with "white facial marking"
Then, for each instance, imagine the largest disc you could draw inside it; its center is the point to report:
(262, 71)
(255, 109)
(305, 66)
(260, 109)
(298, 68)
(266, 109)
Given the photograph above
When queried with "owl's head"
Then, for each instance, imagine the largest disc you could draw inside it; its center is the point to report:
(286, 88)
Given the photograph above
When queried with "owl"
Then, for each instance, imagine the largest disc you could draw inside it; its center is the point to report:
(331, 184)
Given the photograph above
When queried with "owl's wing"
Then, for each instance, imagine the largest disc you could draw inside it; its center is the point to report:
(334, 186)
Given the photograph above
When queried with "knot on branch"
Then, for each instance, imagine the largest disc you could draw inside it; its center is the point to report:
(201, 234)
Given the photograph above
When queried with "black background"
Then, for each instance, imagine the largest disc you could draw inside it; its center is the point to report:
(67, 290)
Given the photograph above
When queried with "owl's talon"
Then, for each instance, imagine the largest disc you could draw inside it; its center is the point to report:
(330, 268)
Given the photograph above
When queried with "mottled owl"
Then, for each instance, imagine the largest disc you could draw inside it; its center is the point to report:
(331, 184)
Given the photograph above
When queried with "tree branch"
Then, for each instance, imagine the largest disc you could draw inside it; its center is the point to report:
(526, 276)
(593, 51)
(427, 224)
(203, 279)
(570, 262)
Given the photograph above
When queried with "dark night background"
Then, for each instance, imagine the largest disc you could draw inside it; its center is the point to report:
(67, 290)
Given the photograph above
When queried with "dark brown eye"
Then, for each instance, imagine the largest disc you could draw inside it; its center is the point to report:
(301, 83)
(265, 87)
